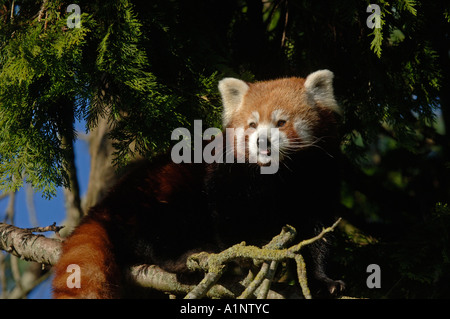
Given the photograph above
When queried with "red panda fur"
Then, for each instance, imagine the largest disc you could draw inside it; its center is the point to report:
(91, 245)
(161, 212)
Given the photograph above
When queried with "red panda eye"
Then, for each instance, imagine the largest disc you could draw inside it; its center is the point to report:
(281, 123)
(252, 125)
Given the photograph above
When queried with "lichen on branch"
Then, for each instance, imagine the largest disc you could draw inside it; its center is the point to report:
(215, 264)
(38, 248)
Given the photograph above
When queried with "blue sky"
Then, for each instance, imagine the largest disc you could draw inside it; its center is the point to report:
(50, 211)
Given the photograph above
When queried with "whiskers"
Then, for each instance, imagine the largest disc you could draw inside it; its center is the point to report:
(283, 151)
(297, 144)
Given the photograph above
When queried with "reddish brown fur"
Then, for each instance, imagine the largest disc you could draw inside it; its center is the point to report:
(90, 248)
(90, 245)
(150, 197)
(287, 95)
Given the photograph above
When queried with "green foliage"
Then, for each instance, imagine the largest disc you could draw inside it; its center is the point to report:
(153, 66)
(137, 102)
(52, 75)
(40, 67)
(151, 73)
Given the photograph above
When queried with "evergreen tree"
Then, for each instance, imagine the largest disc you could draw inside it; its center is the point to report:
(152, 66)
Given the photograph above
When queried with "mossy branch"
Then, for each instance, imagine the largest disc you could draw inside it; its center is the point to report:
(26, 245)
(215, 264)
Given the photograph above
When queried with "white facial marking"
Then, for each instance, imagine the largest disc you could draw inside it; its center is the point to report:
(266, 149)
(254, 118)
(303, 130)
(278, 115)
(263, 133)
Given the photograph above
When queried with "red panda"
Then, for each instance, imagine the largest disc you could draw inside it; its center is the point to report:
(161, 212)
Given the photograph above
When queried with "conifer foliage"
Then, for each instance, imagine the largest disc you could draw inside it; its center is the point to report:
(52, 75)
(152, 66)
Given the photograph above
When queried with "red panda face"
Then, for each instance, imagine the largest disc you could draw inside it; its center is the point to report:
(277, 117)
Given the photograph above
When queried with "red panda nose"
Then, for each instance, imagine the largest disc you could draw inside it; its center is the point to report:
(267, 144)
(262, 140)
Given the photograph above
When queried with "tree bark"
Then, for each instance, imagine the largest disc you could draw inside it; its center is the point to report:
(28, 246)
(24, 244)
(102, 173)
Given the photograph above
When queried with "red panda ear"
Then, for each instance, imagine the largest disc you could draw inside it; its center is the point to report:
(319, 89)
(232, 91)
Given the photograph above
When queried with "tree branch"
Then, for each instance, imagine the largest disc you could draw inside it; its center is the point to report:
(26, 245)
(41, 11)
(52, 228)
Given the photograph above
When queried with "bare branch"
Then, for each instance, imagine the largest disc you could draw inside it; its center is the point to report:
(10, 209)
(29, 280)
(25, 245)
(14, 261)
(72, 193)
(41, 11)
(29, 201)
(52, 228)
(300, 245)
(4, 195)
(102, 173)
(12, 10)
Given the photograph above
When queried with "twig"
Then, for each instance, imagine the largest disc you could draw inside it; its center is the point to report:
(10, 211)
(29, 281)
(265, 275)
(41, 11)
(52, 228)
(30, 204)
(202, 288)
(286, 19)
(151, 276)
(214, 263)
(287, 235)
(280, 241)
(12, 11)
(265, 285)
(14, 262)
(301, 273)
(4, 195)
(256, 282)
(26, 245)
(72, 191)
(216, 268)
(303, 243)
